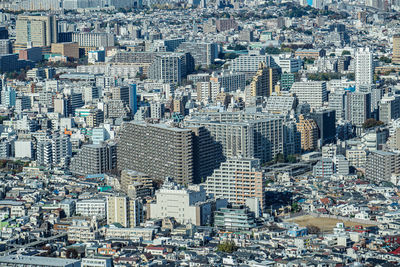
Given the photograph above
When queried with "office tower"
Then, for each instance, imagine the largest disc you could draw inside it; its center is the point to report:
(169, 68)
(229, 81)
(125, 211)
(94, 159)
(314, 93)
(381, 165)
(326, 122)
(203, 54)
(129, 177)
(337, 102)
(207, 154)
(158, 150)
(36, 30)
(5, 47)
(309, 133)
(396, 49)
(250, 135)
(264, 81)
(389, 108)
(236, 180)
(363, 65)
(186, 205)
(357, 107)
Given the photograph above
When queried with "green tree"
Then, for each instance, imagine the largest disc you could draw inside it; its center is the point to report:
(291, 159)
(371, 123)
(385, 59)
(314, 230)
(345, 53)
(227, 247)
(280, 158)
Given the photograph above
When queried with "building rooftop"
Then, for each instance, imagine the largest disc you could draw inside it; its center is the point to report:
(40, 261)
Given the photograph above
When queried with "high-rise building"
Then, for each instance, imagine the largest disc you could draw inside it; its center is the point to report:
(36, 30)
(250, 135)
(389, 108)
(229, 81)
(207, 154)
(208, 91)
(236, 180)
(94, 159)
(357, 107)
(264, 81)
(55, 151)
(203, 54)
(169, 68)
(381, 165)
(124, 210)
(128, 95)
(364, 67)
(326, 122)
(157, 110)
(337, 102)
(5, 47)
(396, 49)
(314, 93)
(158, 150)
(309, 133)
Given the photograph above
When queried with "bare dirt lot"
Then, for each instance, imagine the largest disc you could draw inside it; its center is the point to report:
(325, 224)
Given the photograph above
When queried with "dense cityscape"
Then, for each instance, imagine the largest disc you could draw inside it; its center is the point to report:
(199, 133)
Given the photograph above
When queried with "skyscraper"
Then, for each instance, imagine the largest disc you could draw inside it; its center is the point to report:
(364, 67)
(36, 30)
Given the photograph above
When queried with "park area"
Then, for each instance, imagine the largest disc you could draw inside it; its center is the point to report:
(325, 224)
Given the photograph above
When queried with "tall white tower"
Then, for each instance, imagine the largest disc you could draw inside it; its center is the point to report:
(364, 67)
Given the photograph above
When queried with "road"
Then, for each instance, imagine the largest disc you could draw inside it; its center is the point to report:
(32, 244)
